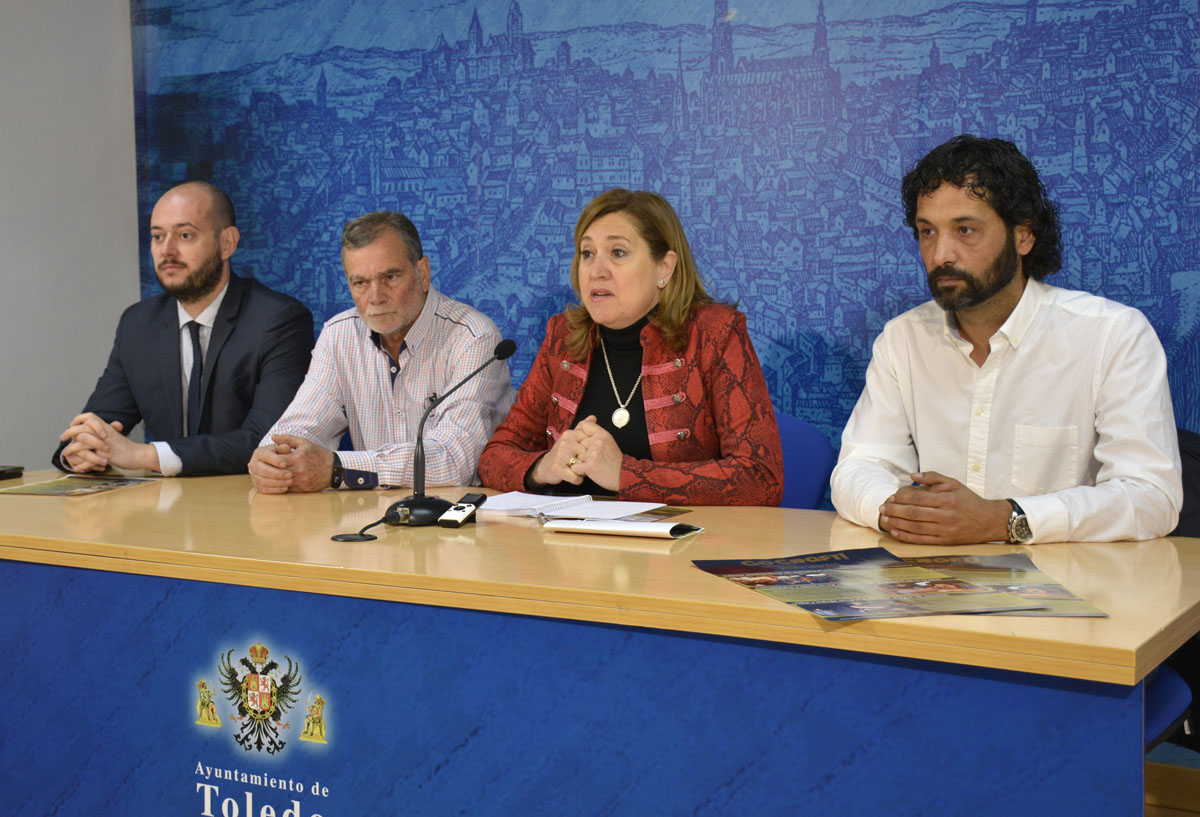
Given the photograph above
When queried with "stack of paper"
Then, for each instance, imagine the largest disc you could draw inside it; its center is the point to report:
(582, 514)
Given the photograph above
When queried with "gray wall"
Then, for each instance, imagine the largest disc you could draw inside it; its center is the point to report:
(68, 211)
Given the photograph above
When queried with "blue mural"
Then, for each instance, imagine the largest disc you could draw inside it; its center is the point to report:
(779, 131)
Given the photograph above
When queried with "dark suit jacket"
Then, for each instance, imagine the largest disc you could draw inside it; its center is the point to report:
(257, 356)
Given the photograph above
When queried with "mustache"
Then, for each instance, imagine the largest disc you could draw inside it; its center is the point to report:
(166, 261)
(949, 271)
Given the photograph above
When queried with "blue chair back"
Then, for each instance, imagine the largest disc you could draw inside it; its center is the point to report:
(808, 460)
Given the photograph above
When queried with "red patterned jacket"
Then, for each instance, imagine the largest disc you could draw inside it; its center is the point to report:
(713, 438)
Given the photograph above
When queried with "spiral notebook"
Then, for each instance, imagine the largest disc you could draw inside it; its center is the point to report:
(518, 503)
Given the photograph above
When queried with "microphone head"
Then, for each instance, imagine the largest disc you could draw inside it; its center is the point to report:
(505, 349)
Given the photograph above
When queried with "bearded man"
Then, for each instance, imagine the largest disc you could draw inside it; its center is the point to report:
(208, 365)
(1006, 409)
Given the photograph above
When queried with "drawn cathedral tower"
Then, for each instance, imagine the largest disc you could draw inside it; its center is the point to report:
(474, 35)
(515, 29)
(722, 39)
(776, 90)
(820, 36)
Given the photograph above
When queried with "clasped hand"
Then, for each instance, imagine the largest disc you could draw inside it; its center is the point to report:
(93, 445)
(291, 464)
(584, 451)
(939, 510)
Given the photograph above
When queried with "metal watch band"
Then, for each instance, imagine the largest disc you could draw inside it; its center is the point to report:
(1019, 532)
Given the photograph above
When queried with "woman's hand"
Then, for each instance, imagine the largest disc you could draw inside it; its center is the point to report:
(562, 462)
(600, 457)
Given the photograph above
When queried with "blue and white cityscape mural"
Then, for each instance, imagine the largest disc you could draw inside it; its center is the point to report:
(778, 130)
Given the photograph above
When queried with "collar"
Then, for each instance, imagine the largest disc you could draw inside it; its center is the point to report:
(1019, 321)
(421, 328)
(209, 316)
(627, 339)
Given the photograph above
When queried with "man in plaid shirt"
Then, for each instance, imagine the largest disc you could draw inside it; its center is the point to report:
(376, 369)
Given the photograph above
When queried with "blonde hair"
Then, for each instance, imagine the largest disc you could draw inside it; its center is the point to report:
(659, 227)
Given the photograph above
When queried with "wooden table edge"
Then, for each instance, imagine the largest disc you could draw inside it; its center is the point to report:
(783, 626)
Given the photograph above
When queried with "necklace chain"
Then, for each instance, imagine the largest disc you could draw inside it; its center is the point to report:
(612, 381)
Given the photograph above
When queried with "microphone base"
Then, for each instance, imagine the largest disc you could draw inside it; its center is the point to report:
(417, 511)
(354, 537)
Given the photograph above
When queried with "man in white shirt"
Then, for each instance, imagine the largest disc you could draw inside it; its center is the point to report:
(1006, 409)
(378, 367)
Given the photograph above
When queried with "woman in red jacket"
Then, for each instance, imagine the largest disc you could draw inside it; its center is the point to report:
(649, 390)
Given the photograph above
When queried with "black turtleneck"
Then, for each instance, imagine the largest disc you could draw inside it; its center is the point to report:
(625, 356)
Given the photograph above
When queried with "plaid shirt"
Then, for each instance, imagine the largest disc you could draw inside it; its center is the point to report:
(351, 385)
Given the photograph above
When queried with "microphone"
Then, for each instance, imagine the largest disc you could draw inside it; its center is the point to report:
(418, 509)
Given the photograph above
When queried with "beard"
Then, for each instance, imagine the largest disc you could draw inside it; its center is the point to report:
(200, 282)
(976, 290)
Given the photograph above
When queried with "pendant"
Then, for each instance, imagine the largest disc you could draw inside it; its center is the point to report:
(620, 418)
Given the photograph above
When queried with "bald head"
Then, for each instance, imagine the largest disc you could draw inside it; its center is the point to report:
(220, 208)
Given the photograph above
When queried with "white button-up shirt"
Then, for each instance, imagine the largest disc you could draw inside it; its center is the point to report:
(169, 463)
(1070, 415)
(350, 386)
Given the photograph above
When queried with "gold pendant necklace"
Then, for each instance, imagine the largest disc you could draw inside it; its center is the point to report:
(620, 416)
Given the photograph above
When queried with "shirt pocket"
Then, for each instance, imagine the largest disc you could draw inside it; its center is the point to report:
(1044, 459)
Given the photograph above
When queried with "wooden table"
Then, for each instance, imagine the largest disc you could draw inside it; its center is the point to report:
(501, 669)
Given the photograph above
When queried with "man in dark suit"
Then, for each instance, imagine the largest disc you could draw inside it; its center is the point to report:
(209, 365)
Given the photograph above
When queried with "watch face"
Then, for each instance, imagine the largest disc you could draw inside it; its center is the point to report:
(1019, 529)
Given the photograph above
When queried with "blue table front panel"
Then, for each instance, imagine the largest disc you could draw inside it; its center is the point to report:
(435, 711)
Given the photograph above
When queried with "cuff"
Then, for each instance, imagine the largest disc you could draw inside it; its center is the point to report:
(1048, 517)
(871, 502)
(358, 470)
(169, 464)
(864, 504)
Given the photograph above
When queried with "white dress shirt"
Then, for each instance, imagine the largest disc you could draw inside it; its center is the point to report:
(1070, 415)
(354, 385)
(169, 463)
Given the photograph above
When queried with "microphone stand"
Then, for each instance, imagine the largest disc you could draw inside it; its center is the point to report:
(417, 509)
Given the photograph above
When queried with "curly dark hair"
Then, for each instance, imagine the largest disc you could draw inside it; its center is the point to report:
(995, 171)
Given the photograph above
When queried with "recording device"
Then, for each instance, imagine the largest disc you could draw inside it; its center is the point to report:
(10, 471)
(417, 509)
(461, 512)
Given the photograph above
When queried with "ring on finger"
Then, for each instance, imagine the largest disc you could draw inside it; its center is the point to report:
(571, 462)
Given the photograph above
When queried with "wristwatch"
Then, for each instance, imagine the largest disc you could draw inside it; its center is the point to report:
(1019, 532)
(336, 481)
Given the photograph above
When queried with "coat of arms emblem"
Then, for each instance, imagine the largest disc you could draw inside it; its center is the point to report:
(261, 696)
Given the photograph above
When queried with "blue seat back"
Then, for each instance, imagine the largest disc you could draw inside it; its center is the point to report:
(808, 460)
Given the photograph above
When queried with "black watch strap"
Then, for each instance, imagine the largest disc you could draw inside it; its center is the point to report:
(338, 474)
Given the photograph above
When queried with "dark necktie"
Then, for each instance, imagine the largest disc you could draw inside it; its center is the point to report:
(193, 406)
